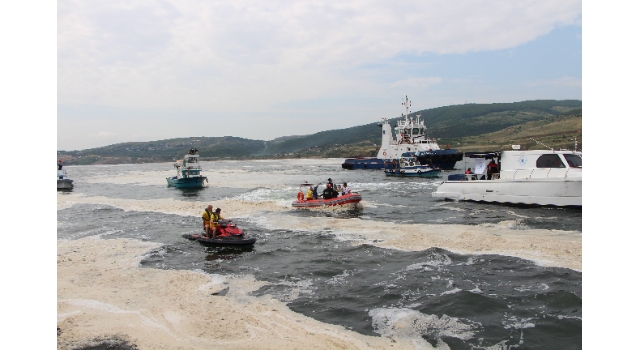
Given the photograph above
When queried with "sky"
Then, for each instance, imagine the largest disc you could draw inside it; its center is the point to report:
(152, 70)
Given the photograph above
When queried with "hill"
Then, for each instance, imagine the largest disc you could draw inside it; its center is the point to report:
(466, 127)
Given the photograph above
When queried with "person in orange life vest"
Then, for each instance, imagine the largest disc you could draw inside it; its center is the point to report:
(206, 219)
(215, 218)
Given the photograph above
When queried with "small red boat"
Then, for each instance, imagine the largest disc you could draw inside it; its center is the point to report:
(230, 235)
(351, 198)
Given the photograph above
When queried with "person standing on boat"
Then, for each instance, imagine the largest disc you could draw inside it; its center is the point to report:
(206, 219)
(345, 189)
(492, 169)
(215, 222)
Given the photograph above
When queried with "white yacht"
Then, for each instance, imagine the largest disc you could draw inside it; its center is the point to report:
(541, 177)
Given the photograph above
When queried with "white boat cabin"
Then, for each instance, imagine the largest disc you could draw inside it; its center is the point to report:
(189, 166)
(538, 164)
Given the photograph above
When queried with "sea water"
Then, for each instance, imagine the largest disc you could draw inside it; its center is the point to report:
(333, 265)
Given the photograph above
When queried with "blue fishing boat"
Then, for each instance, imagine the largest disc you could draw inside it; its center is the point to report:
(408, 165)
(189, 172)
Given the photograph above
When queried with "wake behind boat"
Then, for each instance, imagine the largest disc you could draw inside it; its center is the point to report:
(545, 177)
(189, 172)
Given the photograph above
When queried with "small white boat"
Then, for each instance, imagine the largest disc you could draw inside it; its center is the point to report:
(63, 182)
(538, 177)
(408, 165)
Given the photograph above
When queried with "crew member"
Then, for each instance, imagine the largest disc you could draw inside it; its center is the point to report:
(492, 169)
(328, 192)
(315, 191)
(345, 189)
(331, 183)
(206, 219)
(215, 222)
(310, 193)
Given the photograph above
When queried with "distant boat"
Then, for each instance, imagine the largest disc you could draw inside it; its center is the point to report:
(189, 172)
(408, 165)
(63, 182)
(547, 177)
(410, 136)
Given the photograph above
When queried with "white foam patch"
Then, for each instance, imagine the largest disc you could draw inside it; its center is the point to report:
(295, 289)
(97, 305)
(453, 291)
(508, 224)
(338, 279)
(408, 323)
(515, 323)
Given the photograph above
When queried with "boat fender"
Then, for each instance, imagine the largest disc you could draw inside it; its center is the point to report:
(300, 196)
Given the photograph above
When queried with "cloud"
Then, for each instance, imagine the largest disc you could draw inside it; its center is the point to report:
(417, 82)
(196, 54)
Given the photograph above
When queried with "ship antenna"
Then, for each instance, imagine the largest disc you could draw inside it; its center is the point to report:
(540, 143)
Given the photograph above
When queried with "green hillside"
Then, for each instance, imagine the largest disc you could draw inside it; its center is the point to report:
(466, 127)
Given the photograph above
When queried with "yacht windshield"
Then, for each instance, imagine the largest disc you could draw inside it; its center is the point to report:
(574, 161)
(549, 161)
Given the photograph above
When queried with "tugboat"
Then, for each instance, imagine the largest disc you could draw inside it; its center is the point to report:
(410, 136)
(188, 172)
(63, 182)
(408, 165)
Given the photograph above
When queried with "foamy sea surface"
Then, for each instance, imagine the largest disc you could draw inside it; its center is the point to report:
(402, 264)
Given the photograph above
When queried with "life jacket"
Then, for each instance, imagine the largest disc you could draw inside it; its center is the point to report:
(215, 218)
(207, 215)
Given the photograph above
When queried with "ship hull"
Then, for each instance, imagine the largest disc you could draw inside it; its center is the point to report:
(191, 182)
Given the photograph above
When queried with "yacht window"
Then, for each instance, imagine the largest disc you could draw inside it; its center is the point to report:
(192, 160)
(549, 161)
(416, 131)
(574, 161)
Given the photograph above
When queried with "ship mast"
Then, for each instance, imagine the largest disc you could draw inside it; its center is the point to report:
(406, 103)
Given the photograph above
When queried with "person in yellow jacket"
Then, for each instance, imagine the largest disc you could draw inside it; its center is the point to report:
(310, 193)
(213, 224)
(206, 219)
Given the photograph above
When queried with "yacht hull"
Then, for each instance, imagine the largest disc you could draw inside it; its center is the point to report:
(545, 192)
